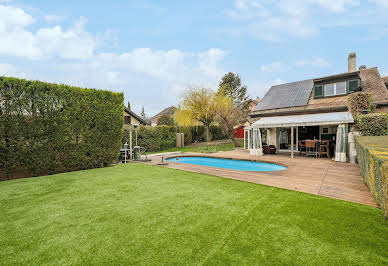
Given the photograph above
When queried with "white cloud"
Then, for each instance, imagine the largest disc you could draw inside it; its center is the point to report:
(146, 76)
(383, 3)
(336, 5)
(17, 40)
(247, 9)
(53, 18)
(149, 77)
(281, 20)
(281, 28)
(273, 67)
(315, 62)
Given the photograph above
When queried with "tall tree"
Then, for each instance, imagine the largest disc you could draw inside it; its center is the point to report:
(198, 105)
(129, 105)
(227, 114)
(142, 113)
(230, 85)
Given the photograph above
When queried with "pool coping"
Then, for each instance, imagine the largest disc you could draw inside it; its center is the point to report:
(229, 158)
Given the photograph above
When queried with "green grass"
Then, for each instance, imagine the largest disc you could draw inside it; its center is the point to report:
(143, 214)
(202, 148)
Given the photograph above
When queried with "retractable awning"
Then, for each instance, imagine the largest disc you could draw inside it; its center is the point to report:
(335, 118)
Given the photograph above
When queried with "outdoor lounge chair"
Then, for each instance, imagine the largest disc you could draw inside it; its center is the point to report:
(269, 149)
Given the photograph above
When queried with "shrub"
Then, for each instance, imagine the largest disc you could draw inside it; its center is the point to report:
(166, 120)
(375, 124)
(372, 156)
(360, 101)
(48, 128)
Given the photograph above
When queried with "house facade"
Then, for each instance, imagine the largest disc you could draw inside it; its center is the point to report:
(313, 109)
(167, 111)
(131, 118)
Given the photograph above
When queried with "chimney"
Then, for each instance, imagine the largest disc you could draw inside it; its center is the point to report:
(352, 62)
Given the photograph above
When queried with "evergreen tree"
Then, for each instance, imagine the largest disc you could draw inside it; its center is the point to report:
(230, 86)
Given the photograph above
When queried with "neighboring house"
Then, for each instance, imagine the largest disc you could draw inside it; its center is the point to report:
(313, 109)
(167, 111)
(253, 103)
(130, 118)
(238, 131)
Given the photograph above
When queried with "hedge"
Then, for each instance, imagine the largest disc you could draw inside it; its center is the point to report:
(48, 128)
(372, 156)
(375, 124)
(160, 138)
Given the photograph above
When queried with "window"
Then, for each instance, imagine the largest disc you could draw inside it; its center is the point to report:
(353, 85)
(329, 89)
(318, 91)
(338, 88)
(127, 120)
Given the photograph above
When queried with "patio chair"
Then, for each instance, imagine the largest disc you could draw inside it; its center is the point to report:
(324, 149)
(301, 146)
(310, 148)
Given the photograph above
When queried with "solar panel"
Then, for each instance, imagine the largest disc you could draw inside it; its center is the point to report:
(286, 95)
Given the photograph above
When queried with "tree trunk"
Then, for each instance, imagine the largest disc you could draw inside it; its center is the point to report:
(207, 132)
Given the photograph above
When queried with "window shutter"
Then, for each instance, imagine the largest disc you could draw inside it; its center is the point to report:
(318, 91)
(352, 85)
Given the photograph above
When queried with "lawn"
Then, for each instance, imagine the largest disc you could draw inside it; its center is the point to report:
(201, 148)
(143, 214)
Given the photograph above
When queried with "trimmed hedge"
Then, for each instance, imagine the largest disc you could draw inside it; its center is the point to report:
(48, 128)
(372, 156)
(160, 138)
(375, 124)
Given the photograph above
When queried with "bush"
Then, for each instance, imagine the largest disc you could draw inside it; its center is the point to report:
(166, 120)
(375, 124)
(48, 128)
(160, 138)
(372, 156)
(360, 101)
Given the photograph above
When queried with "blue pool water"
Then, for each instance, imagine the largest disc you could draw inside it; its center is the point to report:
(229, 164)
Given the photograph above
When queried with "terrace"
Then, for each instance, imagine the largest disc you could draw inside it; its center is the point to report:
(319, 176)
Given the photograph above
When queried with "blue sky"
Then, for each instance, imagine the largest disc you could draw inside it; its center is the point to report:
(153, 50)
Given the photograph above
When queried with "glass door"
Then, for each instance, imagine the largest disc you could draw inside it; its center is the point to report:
(285, 138)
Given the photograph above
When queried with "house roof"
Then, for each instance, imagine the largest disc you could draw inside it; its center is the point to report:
(286, 95)
(167, 111)
(130, 112)
(342, 75)
(371, 81)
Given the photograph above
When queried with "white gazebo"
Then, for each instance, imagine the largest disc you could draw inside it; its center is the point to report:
(252, 134)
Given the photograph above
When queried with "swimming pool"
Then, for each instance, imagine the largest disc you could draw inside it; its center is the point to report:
(229, 163)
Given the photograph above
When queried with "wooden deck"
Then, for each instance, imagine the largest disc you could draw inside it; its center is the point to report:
(322, 177)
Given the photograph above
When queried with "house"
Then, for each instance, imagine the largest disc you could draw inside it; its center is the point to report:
(313, 109)
(167, 111)
(130, 118)
(238, 131)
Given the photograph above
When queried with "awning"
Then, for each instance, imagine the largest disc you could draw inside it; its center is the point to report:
(304, 120)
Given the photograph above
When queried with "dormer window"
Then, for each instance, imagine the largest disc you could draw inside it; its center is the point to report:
(335, 88)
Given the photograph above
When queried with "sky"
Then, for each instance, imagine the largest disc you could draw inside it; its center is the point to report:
(152, 51)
